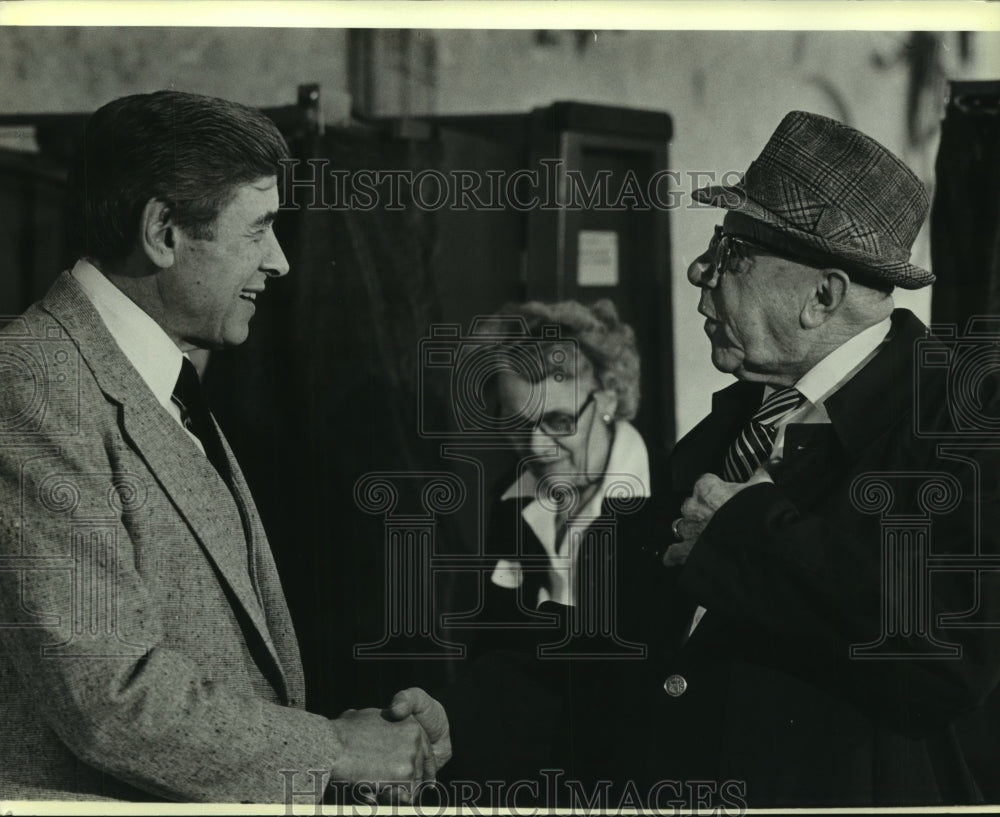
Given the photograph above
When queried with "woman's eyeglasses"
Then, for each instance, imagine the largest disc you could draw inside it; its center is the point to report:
(556, 423)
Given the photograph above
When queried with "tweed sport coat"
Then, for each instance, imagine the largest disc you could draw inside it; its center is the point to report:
(146, 650)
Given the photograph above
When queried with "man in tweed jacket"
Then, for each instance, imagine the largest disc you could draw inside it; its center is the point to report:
(146, 650)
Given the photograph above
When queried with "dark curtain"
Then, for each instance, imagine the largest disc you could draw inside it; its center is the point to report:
(965, 216)
(34, 239)
(325, 391)
(965, 253)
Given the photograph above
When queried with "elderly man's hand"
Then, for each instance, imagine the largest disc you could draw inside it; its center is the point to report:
(708, 495)
(392, 754)
(429, 714)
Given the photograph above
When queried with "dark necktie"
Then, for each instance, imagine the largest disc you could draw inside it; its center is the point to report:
(197, 419)
(756, 440)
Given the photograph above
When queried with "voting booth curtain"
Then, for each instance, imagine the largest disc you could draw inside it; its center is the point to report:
(965, 253)
(965, 214)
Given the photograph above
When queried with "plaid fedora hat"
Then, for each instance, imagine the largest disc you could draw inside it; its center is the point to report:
(827, 188)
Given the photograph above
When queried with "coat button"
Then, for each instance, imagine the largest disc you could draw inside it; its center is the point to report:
(675, 686)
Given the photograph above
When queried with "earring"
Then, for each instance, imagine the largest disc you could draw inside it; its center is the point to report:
(606, 418)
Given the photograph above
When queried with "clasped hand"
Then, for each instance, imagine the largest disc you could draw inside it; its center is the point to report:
(396, 748)
(708, 495)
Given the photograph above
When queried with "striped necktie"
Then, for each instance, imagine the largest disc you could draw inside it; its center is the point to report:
(756, 440)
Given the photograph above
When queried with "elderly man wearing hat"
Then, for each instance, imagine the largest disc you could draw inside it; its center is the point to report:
(836, 546)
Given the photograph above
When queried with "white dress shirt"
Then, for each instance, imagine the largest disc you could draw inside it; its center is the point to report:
(826, 378)
(149, 349)
(628, 458)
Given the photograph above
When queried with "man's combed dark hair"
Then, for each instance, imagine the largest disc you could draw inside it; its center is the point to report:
(186, 150)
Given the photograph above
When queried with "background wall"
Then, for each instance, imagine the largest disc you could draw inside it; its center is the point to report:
(79, 69)
(725, 90)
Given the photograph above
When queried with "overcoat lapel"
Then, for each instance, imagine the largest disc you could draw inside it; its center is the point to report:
(882, 393)
(187, 478)
(812, 461)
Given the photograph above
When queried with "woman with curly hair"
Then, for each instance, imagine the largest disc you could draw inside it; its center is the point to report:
(575, 593)
(569, 419)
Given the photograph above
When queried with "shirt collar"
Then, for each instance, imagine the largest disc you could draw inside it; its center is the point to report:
(155, 356)
(628, 458)
(842, 363)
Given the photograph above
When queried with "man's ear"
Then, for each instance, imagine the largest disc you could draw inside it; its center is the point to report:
(826, 297)
(157, 233)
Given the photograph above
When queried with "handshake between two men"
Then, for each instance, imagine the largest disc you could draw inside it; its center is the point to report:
(394, 749)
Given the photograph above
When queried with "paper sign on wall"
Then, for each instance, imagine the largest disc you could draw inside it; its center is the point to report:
(597, 258)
